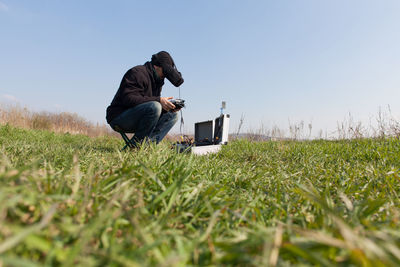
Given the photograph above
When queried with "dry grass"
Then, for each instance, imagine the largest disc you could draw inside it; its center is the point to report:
(63, 122)
(384, 124)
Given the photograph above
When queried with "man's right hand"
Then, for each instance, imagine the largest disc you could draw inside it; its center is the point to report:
(166, 104)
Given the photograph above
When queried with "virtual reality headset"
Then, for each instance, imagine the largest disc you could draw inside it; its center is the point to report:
(173, 75)
(165, 61)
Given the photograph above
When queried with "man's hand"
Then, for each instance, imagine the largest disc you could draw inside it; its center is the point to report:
(166, 104)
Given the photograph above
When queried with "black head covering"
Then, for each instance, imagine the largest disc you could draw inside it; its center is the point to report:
(162, 58)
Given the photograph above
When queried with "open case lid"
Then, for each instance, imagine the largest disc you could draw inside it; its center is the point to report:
(204, 132)
(221, 129)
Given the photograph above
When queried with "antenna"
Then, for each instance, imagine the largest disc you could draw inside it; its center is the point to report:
(223, 106)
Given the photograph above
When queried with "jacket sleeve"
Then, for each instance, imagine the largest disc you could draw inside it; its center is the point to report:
(134, 89)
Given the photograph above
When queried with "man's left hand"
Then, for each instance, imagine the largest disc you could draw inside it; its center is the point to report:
(166, 104)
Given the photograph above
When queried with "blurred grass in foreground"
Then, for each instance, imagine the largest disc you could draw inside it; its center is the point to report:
(74, 200)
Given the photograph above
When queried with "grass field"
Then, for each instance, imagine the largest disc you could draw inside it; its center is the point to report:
(74, 200)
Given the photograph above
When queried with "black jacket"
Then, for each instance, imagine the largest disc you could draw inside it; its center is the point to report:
(137, 86)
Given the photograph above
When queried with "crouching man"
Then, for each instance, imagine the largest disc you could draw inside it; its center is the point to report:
(138, 107)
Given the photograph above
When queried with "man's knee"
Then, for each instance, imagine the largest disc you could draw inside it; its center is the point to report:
(154, 108)
(174, 116)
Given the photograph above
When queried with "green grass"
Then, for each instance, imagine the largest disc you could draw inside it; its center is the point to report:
(73, 200)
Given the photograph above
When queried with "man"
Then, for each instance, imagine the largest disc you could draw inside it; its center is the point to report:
(138, 107)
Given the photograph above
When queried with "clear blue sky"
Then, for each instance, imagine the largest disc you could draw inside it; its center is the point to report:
(272, 61)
